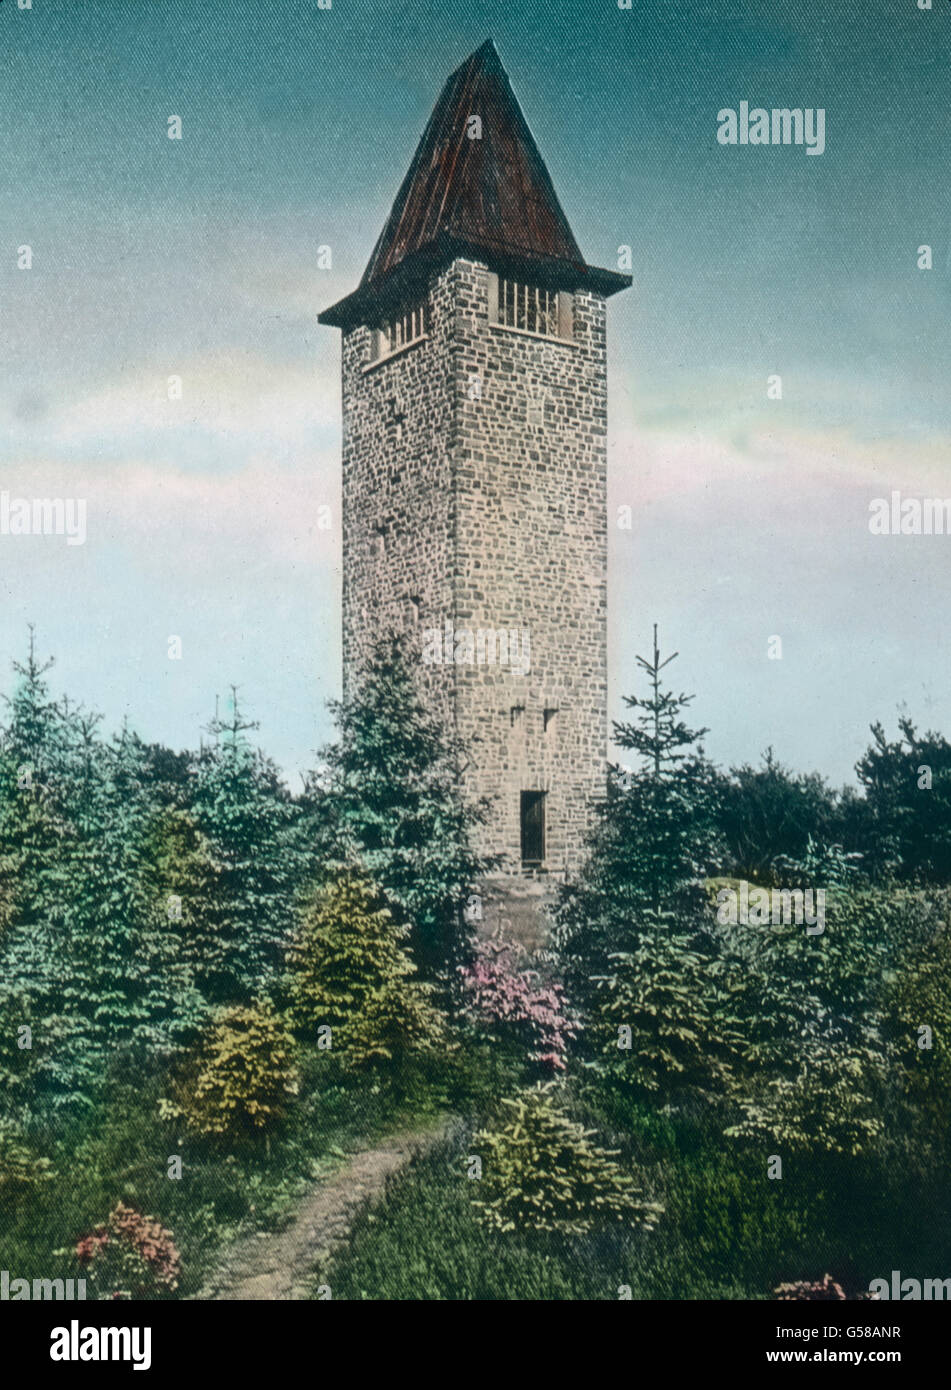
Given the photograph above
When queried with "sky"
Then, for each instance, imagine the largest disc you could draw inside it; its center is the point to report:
(198, 258)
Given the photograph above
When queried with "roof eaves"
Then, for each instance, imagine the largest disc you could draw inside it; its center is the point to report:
(370, 302)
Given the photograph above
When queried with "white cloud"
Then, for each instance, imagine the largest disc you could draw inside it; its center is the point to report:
(240, 398)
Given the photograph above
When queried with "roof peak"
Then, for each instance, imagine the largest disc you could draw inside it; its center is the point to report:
(477, 185)
(485, 50)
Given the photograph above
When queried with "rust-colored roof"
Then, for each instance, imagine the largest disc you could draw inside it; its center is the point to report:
(489, 196)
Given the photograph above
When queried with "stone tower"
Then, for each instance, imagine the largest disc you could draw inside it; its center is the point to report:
(474, 466)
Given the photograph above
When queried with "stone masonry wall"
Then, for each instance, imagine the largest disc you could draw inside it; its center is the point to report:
(531, 551)
(479, 455)
(398, 513)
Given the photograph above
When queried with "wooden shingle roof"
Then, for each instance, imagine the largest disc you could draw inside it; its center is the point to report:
(489, 197)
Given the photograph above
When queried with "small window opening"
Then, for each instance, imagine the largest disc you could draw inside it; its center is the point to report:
(533, 827)
(548, 715)
(532, 308)
(407, 326)
(395, 416)
(515, 713)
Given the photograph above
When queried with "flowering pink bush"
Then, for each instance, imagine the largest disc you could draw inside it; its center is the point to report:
(505, 999)
(826, 1288)
(132, 1256)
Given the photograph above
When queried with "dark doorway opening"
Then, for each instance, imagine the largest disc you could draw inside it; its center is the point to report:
(533, 827)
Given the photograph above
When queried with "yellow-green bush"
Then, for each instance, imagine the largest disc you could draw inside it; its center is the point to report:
(241, 1077)
(349, 970)
(20, 1168)
(541, 1172)
(919, 996)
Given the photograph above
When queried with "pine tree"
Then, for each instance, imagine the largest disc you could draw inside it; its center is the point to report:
(142, 980)
(349, 970)
(542, 1174)
(251, 825)
(673, 798)
(37, 842)
(658, 735)
(664, 1025)
(389, 800)
(655, 838)
(83, 964)
(32, 756)
(635, 933)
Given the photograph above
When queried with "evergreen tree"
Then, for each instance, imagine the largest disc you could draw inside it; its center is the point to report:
(769, 813)
(83, 965)
(543, 1175)
(33, 747)
(239, 1080)
(811, 1072)
(656, 836)
(251, 835)
(349, 970)
(664, 1024)
(135, 966)
(907, 786)
(659, 734)
(37, 846)
(389, 799)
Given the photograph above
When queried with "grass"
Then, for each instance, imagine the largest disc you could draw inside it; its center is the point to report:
(728, 1231)
(121, 1152)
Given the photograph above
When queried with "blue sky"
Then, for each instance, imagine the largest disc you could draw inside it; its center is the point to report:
(198, 258)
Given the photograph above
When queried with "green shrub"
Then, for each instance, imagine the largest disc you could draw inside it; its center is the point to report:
(21, 1170)
(241, 1078)
(542, 1173)
(663, 1023)
(349, 969)
(827, 1108)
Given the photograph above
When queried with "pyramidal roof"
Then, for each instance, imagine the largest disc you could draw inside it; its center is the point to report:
(477, 186)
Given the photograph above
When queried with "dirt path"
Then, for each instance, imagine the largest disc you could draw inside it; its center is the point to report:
(279, 1265)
